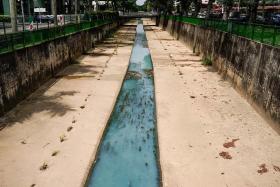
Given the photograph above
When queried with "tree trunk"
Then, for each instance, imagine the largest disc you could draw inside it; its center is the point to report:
(263, 7)
(89, 6)
(209, 8)
(13, 13)
(254, 11)
(97, 5)
(197, 4)
(29, 8)
(54, 11)
(77, 10)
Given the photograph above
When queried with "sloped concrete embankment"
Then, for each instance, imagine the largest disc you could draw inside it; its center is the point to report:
(23, 71)
(254, 68)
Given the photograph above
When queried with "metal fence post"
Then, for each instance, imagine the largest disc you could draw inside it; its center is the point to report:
(48, 31)
(245, 30)
(253, 31)
(4, 27)
(12, 41)
(262, 33)
(23, 38)
(274, 35)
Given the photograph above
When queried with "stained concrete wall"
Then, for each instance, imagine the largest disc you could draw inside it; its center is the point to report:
(254, 68)
(23, 71)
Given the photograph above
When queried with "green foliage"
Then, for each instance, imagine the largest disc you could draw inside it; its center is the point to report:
(125, 5)
(93, 15)
(5, 18)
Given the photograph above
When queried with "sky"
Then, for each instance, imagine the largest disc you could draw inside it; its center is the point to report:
(140, 2)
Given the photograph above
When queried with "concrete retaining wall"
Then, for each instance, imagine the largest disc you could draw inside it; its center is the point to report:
(254, 68)
(23, 71)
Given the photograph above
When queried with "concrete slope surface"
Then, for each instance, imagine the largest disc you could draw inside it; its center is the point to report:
(208, 134)
(51, 138)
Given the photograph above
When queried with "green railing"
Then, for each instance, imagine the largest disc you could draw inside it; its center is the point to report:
(267, 34)
(15, 41)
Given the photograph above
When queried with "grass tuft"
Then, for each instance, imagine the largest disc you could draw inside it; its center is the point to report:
(207, 61)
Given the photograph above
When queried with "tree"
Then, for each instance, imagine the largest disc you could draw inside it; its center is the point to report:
(184, 6)
(13, 13)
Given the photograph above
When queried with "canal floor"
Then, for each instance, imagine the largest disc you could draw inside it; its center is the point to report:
(128, 151)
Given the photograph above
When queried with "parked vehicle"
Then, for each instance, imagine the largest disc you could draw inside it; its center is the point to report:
(275, 19)
(234, 16)
(44, 18)
(260, 19)
(201, 15)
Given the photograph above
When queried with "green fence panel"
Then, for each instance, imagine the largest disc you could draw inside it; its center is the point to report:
(277, 36)
(10, 42)
(261, 33)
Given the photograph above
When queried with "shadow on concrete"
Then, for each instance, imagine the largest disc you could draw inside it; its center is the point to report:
(38, 102)
(186, 60)
(165, 39)
(79, 69)
(52, 104)
(96, 54)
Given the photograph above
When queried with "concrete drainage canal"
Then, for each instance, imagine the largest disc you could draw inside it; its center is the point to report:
(128, 152)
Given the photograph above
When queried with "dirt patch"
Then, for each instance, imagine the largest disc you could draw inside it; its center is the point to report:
(72, 77)
(69, 129)
(44, 166)
(149, 72)
(133, 75)
(276, 168)
(230, 144)
(262, 169)
(55, 153)
(225, 155)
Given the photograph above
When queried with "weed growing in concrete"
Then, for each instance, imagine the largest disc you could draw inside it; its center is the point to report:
(74, 62)
(207, 61)
(62, 138)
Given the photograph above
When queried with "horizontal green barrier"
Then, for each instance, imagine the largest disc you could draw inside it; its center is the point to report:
(261, 33)
(15, 41)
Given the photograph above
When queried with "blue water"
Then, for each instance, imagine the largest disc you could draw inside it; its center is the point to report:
(127, 155)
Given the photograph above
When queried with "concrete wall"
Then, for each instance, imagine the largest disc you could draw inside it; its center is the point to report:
(254, 68)
(23, 71)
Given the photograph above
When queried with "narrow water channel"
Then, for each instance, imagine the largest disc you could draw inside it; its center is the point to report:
(127, 155)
